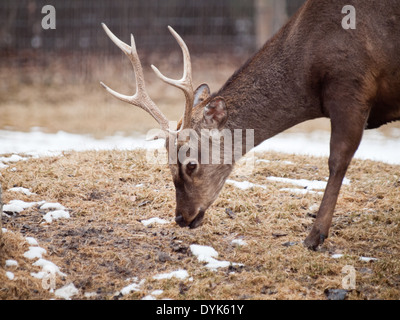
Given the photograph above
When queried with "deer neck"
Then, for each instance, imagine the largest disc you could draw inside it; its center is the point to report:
(270, 94)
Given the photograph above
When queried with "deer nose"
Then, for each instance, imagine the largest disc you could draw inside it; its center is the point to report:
(180, 221)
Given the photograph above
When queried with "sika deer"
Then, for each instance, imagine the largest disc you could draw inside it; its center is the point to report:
(311, 68)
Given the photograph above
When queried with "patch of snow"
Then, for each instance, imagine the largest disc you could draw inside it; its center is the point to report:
(262, 161)
(90, 294)
(32, 241)
(239, 242)
(52, 205)
(157, 292)
(346, 181)
(149, 297)
(154, 220)
(244, 185)
(374, 145)
(368, 259)
(49, 267)
(10, 275)
(13, 158)
(54, 215)
(17, 206)
(11, 263)
(22, 190)
(300, 191)
(66, 292)
(37, 143)
(308, 184)
(208, 254)
(337, 256)
(132, 287)
(180, 274)
(203, 253)
(34, 252)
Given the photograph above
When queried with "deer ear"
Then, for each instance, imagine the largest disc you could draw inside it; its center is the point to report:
(215, 113)
(201, 94)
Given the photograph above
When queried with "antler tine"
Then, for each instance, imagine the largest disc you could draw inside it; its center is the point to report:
(185, 83)
(140, 99)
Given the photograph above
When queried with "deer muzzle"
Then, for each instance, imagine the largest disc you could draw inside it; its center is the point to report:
(196, 222)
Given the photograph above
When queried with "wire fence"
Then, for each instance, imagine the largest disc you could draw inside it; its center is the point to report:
(206, 25)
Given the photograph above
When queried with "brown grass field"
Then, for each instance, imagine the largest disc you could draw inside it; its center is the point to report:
(104, 243)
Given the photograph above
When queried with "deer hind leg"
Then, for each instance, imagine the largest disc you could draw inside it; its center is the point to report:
(347, 128)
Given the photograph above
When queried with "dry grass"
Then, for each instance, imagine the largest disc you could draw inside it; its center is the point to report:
(104, 242)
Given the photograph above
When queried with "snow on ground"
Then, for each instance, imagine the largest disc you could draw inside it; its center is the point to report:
(25, 191)
(13, 158)
(365, 259)
(308, 186)
(34, 253)
(67, 291)
(239, 242)
(54, 215)
(134, 286)
(368, 259)
(32, 241)
(52, 205)
(208, 254)
(244, 185)
(154, 220)
(179, 274)
(37, 143)
(151, 295)
(48, 267)
(17, 206)
(10, 275)
(11, 263)
(374, 146)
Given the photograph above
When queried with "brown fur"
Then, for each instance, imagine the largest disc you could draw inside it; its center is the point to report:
(311, 68)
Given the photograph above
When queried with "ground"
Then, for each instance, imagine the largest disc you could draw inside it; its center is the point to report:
(104, 246)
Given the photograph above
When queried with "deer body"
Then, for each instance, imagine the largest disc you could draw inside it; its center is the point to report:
(311, 68)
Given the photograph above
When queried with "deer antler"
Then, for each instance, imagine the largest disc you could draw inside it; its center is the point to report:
(141, 99)
(185, 83)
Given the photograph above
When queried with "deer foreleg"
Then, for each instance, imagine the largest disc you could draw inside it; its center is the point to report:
(347, 130)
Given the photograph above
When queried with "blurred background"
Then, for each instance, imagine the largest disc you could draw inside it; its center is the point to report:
(49, 79)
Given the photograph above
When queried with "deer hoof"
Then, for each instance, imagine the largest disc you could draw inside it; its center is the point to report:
(314, 239)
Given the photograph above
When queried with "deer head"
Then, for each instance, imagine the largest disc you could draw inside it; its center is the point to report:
(197, 177)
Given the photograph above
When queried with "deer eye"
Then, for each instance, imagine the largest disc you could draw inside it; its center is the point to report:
(191, 167)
